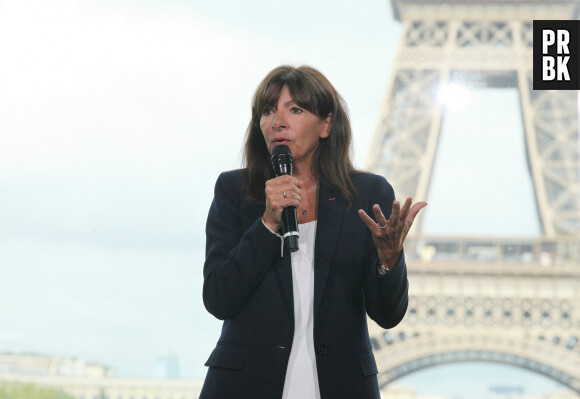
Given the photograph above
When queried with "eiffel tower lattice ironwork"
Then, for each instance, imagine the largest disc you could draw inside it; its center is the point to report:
(506, 300)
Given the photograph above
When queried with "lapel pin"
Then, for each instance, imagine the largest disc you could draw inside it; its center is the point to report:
(332, 199)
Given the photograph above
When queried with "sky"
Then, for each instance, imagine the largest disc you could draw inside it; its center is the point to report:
(116, 117)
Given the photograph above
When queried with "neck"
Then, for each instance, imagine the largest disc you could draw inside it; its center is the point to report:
(308, 205)
(308, 179)
(304, 172)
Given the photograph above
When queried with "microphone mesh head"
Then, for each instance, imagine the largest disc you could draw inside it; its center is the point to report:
(282, 161)
(281, 149)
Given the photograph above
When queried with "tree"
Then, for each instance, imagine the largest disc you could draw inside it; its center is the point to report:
(12, 390)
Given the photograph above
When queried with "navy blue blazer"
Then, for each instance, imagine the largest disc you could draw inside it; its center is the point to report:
(248, 284)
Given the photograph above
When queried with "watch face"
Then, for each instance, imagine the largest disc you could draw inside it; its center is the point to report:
(382, 270)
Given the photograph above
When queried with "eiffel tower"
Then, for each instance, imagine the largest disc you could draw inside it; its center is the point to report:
(507, 300)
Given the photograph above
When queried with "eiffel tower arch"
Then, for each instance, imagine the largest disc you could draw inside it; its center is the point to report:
(506, 300)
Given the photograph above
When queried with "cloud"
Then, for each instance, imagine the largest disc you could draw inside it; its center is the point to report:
(124, 83)
(115, 122)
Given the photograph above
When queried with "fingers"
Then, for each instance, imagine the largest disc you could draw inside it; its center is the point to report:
(401, 219)
(380, 218)
(408, 213)
(381, 221)
(390, 238)
(405, 209)
(395, 215)
(367, 220)
(283, 190)
(403, 235)
(415, 210)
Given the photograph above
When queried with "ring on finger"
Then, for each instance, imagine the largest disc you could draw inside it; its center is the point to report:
(284, 194)
(384, 227)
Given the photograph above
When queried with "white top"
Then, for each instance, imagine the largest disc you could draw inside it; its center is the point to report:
(301, 375)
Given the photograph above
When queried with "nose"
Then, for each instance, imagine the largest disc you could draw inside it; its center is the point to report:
(279, 121)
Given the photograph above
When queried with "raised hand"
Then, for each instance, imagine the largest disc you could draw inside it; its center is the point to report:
(389, 235)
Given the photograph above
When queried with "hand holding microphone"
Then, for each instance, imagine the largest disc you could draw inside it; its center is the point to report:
(282, 198)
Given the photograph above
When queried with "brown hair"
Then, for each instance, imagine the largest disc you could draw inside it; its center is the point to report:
(312, 91)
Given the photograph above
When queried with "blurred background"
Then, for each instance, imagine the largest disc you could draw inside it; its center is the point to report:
(116, 117)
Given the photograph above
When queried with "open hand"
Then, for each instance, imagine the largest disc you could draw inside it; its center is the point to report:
(389, 235)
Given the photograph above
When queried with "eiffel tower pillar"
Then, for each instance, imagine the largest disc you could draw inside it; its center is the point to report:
(479, 44)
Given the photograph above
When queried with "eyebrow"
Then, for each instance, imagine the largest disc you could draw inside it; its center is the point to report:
(289, 102)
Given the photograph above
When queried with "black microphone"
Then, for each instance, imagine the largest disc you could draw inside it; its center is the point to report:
(282, 162)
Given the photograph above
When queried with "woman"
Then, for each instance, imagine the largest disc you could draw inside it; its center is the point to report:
(295, 323)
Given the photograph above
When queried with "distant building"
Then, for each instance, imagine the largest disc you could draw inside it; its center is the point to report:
(84, 380)
(35, 364)
(166, 367)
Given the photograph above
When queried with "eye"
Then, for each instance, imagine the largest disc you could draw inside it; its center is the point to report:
(296, 110)
(267, 111)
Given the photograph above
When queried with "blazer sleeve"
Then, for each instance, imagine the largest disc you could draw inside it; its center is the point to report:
(236, 260)
(387, 296)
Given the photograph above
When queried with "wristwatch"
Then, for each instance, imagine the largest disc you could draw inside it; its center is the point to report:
(382, 270)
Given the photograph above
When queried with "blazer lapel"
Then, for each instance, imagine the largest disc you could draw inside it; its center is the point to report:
(284, 267)
(331, 208)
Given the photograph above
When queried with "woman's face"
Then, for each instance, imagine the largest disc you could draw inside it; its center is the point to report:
(294, 126)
